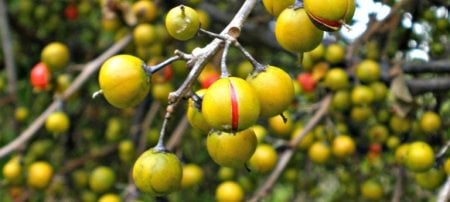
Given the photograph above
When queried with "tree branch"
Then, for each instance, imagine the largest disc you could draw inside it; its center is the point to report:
(444, 192)
(7, 50)
(286, 156)
(90, 68)
(419, 86)
(439, 66)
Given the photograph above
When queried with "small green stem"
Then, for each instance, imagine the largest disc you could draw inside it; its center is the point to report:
(160, 145)
(223, 63)
(258, 67)
(149, 70)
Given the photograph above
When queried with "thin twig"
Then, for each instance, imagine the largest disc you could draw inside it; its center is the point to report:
(7, 50)
(443, 195)
(287, 154)
(90, 68)
(400, 179)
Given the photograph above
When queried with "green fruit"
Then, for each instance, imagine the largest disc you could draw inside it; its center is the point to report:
(362, 95)
(144, 34)
(182, 22)
(157, 172)
(289, 24)
(231, 149)
(275, 90)
(430, 179)
(55, 55)
(368, 71)
(102, 179)
(231, 104)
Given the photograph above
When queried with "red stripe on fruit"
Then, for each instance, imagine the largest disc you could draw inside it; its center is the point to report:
(234, 108)
(334, 25)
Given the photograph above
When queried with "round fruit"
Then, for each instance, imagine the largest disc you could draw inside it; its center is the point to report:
(57, 122)
(144, 34)
(430, 179)
(194, 114)
(157, 172)
(330, 18)
(343, 146)
(274, 89)
(192, 175)
(21, 113)
(362, 95)
(372, 190)
(274, 7)
(319, 152)
(231, 149)
(231, 104)
(12, 170)
(40, 174)
(110, 197)
(160, 91)
(419, 157)
(341, 100)
(378, 133)
(226, 173)
(281, 127)
(307, 140)
(204, 18)
(102, 179)
(447, 166)
(361, 114)
(289, 24)
(399, 124)
(335, 53)
(307, 81)
(182, 22)
(368, 71)
(380, 91)
(430, 122)
(123, 81)
(264, 159)
(229, 191)
(336, 79)
(401, 152)
(260, 132)
(55, 55)
(127, 151)
(144, 10)
(40, 76)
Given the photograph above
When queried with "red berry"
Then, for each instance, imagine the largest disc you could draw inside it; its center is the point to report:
(71, 12)
(307, 82)
(40, 76)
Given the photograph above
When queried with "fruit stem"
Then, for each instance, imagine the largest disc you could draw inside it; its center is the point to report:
(257, 67)
(160, 145)
(149, 70)
(183, 11)
(223, 63)
(197, 101)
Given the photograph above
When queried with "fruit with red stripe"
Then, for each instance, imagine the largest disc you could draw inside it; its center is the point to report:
(231, 149)
(330, 18)
(231, 104)
(275, 90)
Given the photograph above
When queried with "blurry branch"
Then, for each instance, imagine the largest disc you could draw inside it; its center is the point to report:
(438, 66)
(93, 155)
(287, 154)
(444, 192)
(177, 134)
(374, 28)
(399, 183)
(7, 50)
(89, 69)
(145, 125)
(419, 86)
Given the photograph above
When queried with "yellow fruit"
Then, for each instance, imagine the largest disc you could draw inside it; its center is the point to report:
(400, 153)
(12, 170)
(57, 122)
(368, 71)
(144, 10)
(102, 179)
(231, 149)
(144, 34)
(274, 7)
(289, 24)
(55, 55)
(330, 18)
(21, 113)
(431, 179)
(264, 159)
(362, 95)
(203, 16)
(40, 174)
(260, 132)
(307, 140)
(319, 152)
(123, 81)
(335, 53)
(430, 122)
(275, 90)
(192, 175)
(336, 79)
(182, 22)
(343, 146)
(195, 116)
(399, 124)
(447, 166)
(229, 191)
(157, 172)
(109, 198)
(419, 157)
(231, 104)
(372, 190)
(279, 127)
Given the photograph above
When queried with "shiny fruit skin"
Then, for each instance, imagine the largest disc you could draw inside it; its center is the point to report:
(231, 104)
(157, 172)
(195, 116)
(274, 7)
(57, 122)
(279, 127)
(192, 175)
(368, 71)
(229, 191)
(55, 55)
(330, 18)
(264, 159)
(144, 10)
(430, 122)
(372, 190)
(419, 157)
(231, 149)
(102, 179)
(343, 146)
(182, 22)
(123, 81)
(336, 79)
(40, 76)
(40, 174)
(319, 152)
(289, 24)
(109, 197)
(274, 89)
